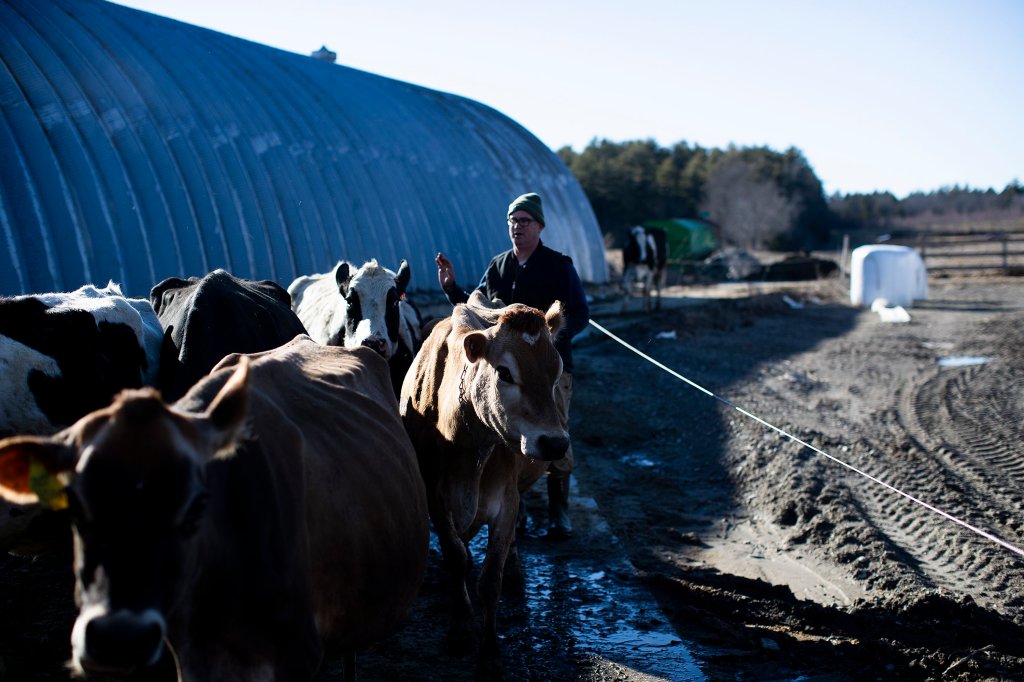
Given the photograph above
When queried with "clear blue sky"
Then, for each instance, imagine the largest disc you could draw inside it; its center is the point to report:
(897, 95)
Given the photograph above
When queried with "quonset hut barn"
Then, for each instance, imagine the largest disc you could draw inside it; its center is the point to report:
(134, 148)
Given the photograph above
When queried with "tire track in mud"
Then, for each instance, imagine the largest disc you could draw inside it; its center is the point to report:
(960, 428)
(950, 436)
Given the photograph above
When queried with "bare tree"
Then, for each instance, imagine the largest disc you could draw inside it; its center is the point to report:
(750, 211)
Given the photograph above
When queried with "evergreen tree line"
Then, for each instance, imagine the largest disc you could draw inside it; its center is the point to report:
(757, 197)
(947, 208)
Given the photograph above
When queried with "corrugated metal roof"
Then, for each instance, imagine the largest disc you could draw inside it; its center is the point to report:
(134, 147)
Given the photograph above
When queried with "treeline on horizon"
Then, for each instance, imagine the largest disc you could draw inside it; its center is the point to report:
(762, 198)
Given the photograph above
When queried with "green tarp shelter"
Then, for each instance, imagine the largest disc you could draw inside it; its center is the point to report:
(688, 238)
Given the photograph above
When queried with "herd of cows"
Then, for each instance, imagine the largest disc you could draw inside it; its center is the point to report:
(250, 472)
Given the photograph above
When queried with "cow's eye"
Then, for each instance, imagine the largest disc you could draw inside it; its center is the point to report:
(505, 374)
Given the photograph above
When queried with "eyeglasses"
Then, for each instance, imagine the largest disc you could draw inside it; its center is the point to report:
(521, 222)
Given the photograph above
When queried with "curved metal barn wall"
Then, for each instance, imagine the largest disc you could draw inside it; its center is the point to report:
(134, 147)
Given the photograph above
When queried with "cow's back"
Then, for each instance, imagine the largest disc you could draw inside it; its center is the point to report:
(421, 389)
(365, 505)
(315, 300)
(63, 355)
(659, 240)
(206, 319)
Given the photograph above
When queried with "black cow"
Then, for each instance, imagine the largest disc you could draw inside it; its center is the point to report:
(64, 355)
(643, 261)
(206, 319)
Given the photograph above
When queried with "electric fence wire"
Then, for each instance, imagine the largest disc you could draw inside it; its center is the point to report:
(979, 531)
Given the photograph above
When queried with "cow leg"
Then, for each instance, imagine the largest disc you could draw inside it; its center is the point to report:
(559, 525)
(500, 536)
(349, 666)
(456, 565)
(626, 291)
(513, 582)
(523, 520)
(659, 282)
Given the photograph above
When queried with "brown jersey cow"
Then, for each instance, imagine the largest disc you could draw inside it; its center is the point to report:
(478, 403)
(275, 508)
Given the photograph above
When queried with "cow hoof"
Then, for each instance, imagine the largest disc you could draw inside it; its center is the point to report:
(513, 584)
(488, 668)
(461, 639)
(557, 534)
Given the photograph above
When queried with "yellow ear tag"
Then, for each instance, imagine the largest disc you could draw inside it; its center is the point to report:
(46, 486)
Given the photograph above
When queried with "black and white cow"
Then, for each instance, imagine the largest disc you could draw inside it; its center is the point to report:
(366, 306)
(207, 318)
(63, 355)
(643, 261)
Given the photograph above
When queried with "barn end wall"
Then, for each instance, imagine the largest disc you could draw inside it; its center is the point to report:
(136, 147)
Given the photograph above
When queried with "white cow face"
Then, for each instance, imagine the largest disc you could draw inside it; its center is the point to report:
(371, 298)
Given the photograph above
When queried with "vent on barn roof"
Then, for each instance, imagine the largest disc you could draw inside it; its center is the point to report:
(325, 54)
(135, 148)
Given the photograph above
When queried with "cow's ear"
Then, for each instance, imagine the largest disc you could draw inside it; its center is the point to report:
(227, 412)
(342, 277)
(403, 277)
(156, 294)
(555, 318)
(475, 345)
(29, 469)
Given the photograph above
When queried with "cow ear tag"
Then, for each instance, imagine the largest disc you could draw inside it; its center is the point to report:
(46, 486)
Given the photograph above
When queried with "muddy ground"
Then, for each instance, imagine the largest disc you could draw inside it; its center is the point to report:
(709, 546)
(788, 562)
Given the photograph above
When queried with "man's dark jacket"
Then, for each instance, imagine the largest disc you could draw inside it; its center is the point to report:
(547, 276)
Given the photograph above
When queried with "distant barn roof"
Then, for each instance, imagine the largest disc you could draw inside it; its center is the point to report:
(134, 147)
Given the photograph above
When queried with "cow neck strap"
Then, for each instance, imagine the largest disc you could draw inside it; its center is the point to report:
(464, 405)
(463, 401)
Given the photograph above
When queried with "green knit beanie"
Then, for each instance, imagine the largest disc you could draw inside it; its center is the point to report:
(530, 203)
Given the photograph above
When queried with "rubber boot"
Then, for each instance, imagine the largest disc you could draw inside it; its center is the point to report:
(559, 526)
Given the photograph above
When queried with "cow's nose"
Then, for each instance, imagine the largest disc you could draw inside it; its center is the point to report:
(122, 642)
(552, 447)
(377, 344)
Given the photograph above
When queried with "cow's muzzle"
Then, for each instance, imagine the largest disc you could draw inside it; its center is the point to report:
(550, 448)
(378, 345)
(121, 642)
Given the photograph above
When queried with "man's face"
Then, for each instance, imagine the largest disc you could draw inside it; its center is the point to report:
(524, 231)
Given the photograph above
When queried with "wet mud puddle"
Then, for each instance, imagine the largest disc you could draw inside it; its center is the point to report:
(585, 608)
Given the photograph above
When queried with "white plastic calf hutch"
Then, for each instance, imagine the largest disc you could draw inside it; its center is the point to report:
(895, 273)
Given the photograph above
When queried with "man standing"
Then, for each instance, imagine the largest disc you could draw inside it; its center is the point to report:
(535, 275)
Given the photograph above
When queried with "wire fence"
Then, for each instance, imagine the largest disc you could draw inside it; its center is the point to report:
(916, 500)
